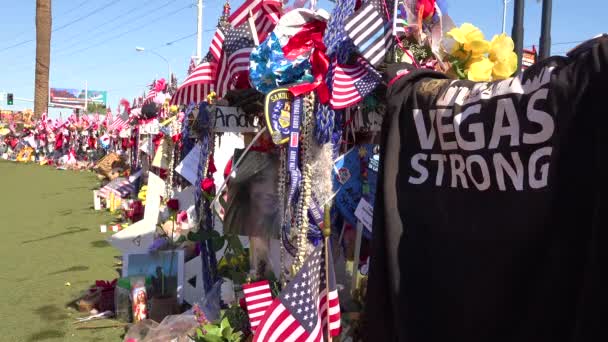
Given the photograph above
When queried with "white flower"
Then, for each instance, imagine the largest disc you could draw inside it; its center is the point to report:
(227, 292)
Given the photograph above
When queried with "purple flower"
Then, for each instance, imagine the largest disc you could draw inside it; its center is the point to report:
(157, 244)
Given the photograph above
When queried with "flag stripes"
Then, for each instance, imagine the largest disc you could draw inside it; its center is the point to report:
(257, 298)
(370, 32)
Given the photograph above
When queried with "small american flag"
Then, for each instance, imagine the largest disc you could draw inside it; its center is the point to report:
(235, 60)
(120, 121)
(370, 32)
(257, 298)
(120, 187)
(301, 311)
(352, 83)
(198, 84)
(266, 14)
(192, 65)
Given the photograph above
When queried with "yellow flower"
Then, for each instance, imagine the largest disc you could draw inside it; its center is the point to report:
(477, 47)
(504, 68)
(466, 33)
(501, 47)
(481, 71)
(173, 109)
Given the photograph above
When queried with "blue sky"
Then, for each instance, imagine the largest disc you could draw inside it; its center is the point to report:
(100, 48)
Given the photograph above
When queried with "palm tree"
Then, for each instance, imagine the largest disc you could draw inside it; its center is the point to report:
(43, 56)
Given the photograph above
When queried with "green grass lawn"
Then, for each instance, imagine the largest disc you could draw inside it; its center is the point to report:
(49, 235)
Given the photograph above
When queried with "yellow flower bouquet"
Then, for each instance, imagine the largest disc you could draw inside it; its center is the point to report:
(473, 57)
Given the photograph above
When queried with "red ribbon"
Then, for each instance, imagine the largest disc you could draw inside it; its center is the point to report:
(310, 37)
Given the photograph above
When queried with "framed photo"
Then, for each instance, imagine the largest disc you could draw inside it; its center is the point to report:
(168, 263)
(251, 203)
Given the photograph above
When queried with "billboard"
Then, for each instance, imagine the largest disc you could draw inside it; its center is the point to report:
(528, 58)
(75, 97)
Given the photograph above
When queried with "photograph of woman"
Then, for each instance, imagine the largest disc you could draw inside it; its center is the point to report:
(252, 203)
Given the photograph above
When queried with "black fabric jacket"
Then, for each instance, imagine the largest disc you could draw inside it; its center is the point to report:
(489, 223)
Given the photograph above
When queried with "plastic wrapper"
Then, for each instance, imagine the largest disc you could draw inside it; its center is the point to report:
(176, 328)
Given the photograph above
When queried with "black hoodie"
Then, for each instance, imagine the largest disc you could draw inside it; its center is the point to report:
(488, 216)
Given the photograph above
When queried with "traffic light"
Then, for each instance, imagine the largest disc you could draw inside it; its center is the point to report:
(9, 99)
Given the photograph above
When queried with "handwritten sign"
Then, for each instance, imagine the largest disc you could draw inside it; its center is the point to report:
(365, 213)
(151, 127)
(233, 119)
(188, 167)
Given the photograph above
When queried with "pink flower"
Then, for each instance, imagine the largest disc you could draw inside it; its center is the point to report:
(182, 217)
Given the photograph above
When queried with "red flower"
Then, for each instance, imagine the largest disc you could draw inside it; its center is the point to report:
(428, 8)
(173, 204)
(211, 169)
(208, 185)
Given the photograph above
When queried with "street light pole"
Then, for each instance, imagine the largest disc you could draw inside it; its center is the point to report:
(518, 31)
(505, 4)
(545, 30)
(141, 49)
(199, 31)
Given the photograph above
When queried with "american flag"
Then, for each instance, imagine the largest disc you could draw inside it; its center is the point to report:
(217, 43)
(198, 84)
(257, 298)
(235, 60)
(370, 32)
(192, 65)
(351, 83)
(266, 15)
(108, 118)
(152, 93)
(120, 121)
(301, 311)
(120, 187)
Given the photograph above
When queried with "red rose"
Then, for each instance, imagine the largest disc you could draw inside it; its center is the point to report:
(208, 185)
(173, 204)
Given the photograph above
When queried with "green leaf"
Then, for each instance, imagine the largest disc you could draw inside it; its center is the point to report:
(224, 324)
(235, 243)
(212, 329)
(213, 338)
(227, 333)
(217, 243)
(238, 277)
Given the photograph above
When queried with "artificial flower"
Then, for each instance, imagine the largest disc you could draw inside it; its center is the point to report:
(506, 67)
(501, 47)
(503, 56)
(466, 33)
(477, 47)
(481, 71)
